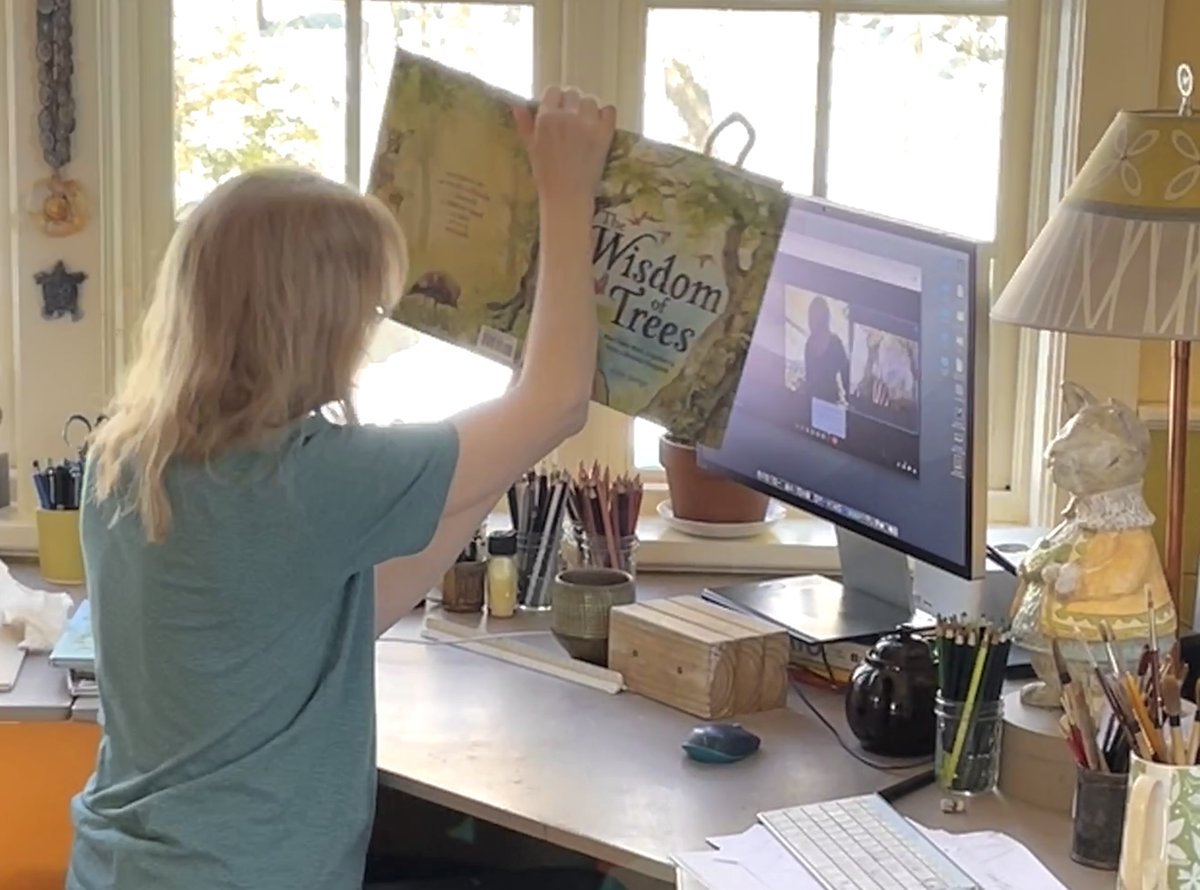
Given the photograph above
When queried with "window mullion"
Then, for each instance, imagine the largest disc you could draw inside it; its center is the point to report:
(828, 21)
(354, 46)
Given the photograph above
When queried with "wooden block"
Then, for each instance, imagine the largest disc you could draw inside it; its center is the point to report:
(776, 649)
(746, 645)
(672, 661)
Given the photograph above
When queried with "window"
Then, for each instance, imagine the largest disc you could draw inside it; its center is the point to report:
(921, 143)
(807, 59)
(265, 81)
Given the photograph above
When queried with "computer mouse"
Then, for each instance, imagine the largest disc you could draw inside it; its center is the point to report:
(720, 743)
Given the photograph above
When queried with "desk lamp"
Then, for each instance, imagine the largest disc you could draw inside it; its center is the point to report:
(1120, 257)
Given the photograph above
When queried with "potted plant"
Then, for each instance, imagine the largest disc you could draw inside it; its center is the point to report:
(699, 495)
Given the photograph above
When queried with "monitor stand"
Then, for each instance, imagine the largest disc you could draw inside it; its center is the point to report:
(873, 598)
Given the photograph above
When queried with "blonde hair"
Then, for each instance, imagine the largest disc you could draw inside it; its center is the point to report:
(261, 314)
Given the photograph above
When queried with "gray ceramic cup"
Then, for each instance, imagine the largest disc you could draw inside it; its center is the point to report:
(580, 606)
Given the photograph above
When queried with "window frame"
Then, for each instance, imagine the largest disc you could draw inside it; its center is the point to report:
(124, 47)
(611, 434)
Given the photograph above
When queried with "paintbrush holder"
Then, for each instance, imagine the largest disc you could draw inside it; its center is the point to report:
(967, 754)
(1097, 814)
(1160, 845)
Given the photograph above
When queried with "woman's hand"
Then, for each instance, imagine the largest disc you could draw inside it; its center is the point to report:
(568, 138)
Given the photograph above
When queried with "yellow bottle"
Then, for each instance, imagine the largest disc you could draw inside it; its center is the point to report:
(502, 574)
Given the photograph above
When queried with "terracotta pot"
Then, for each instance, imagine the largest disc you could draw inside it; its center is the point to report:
(701, 496)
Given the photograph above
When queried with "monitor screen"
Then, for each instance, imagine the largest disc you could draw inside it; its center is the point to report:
(857, 396)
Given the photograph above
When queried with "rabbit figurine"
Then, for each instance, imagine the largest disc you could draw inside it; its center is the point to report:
(1100, 564)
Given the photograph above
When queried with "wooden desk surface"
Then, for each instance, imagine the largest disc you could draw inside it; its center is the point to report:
(40, 694)
(600, 774)
(604, 774)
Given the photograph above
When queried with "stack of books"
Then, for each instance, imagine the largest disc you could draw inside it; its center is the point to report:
(75, 652)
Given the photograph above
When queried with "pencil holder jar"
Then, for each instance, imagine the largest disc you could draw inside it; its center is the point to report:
(967, 754)
(60, 554)
(1097, 815)
(591, 551)
(539, 556)
(1160, 844)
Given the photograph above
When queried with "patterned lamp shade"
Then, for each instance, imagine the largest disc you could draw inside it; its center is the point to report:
(1120, 257)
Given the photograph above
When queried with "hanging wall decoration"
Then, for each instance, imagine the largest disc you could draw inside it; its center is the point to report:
(57, 203)
(60, 291)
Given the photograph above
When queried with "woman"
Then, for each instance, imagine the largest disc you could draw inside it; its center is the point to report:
(243, 552)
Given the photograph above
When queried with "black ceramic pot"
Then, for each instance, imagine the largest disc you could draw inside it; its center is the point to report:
(889, 704)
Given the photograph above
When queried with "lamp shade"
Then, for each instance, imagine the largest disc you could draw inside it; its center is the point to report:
(1120, 256)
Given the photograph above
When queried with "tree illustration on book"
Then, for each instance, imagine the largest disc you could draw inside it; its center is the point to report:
(683, 246)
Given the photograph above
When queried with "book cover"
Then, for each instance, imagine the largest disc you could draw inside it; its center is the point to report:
(683, 245)
(76, 649)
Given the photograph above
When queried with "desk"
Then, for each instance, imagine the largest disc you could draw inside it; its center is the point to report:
(39, 695)
(46, 754)
(603, 775)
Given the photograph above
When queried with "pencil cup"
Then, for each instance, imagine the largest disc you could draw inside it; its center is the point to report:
(967, 755)
(60, 555)
(538, 560)
(1097, 814)
(463, 586)
(1160, 845)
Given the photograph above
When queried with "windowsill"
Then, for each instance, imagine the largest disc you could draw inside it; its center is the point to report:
(794, 544)
(1157, 414)
(18, 533)
(800, 544)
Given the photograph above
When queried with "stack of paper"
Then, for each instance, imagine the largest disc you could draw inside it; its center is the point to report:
(755, 860)
(995, 860)
(12, 656)
(75, 652)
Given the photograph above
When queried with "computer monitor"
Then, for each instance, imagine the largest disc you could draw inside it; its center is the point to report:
(864, 391)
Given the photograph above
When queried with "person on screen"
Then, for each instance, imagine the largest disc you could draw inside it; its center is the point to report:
(826, 363)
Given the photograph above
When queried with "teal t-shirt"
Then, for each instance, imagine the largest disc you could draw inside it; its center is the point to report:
(236, 662)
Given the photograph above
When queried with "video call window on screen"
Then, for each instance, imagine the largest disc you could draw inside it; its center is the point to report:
(857, 392)
(854, 363)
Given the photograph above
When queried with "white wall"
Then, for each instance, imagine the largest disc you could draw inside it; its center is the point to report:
(51, 369)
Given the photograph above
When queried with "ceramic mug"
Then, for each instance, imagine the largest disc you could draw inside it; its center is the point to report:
(581, 603)
(1160, 847)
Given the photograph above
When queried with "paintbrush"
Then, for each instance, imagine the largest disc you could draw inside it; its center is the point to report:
(1148, 729)
(1078, 712)
(1155, 684)
(1114, 660)
(1194, 742)
(1172, 694)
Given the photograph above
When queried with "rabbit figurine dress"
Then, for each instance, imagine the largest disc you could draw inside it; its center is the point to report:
(1100, 565)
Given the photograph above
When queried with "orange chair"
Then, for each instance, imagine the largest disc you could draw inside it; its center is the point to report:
(42, 765)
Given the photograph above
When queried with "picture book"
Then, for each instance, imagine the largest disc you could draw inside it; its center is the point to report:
(75, 649)
(683, 245)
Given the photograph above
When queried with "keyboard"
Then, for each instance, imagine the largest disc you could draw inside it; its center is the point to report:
(861, 843)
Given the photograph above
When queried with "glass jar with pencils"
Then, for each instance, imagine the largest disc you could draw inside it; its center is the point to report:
(539, 555)
(969, 708)
(598, 551)
(967, 756)
(602, 512)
